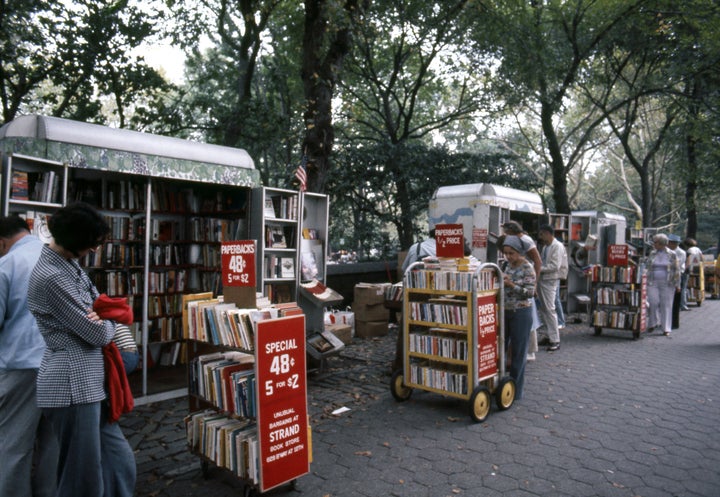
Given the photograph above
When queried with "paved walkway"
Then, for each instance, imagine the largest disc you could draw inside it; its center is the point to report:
(604, 416)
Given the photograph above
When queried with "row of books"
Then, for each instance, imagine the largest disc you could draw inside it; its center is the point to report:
(440, 342)
(614, 274)
(616, 319)
(36, 186)
(229, 443)
(279, 237)
(394, 292)
(214, 321)
(452, 280)
(225, 380)
(440, 379)
(281, 207)
(279, 267)
(612, 296)
(439, 313)
(165, 329)
(559, 222)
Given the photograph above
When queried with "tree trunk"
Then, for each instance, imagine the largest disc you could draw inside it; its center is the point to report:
(323, 53)
(557, 165)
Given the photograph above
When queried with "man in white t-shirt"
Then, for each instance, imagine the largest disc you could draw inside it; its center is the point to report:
(694, 259)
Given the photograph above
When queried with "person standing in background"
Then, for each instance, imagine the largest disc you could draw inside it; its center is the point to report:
(674, 245)
(95, 458)
(530, 251)
(419, 250)
(694, 259)
(519, 294)
(26, 434)
(662, 283)
(554, 268)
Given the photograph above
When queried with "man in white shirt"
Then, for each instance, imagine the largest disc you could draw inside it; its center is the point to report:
(420, 250)
(694, 259)
(554, 268)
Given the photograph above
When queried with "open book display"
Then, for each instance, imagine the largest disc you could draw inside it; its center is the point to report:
(318, 292)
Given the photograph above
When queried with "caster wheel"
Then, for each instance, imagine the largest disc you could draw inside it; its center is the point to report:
(480, 404)
(205, 469)
(399, 391)
(505, 393)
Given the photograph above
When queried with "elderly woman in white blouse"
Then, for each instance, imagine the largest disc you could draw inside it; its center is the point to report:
(663, 282)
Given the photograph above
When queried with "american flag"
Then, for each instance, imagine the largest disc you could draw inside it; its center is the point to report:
(301, 173)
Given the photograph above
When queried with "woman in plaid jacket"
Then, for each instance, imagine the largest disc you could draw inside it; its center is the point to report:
(95, 458)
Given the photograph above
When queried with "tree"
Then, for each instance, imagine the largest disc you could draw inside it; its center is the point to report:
(67, 59)
(327, 41)
(401, 86)
(560, 38)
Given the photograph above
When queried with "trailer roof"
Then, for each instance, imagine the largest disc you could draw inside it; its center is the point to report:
(501, 196)
(100, 147)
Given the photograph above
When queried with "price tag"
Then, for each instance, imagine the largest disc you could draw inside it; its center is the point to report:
(238, 263)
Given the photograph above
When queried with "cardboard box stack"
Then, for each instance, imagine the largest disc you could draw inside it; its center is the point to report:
(371, 315)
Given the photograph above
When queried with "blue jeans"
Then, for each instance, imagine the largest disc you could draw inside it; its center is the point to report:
(95, 458)
(517, 334)
(558, 306)
(130, 360)
(27, 438)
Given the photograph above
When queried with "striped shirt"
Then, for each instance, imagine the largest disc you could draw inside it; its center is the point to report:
(60, 295)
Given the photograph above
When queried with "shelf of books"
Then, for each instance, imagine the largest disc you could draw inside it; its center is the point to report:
(452, 336)
(275, 225)
(260, 435)
(33, 188)
(619, 298)
(164, 241)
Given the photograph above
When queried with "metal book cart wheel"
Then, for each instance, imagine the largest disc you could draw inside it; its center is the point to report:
(485, 339)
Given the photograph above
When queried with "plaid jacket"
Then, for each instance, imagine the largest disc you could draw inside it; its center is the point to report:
(60, 295)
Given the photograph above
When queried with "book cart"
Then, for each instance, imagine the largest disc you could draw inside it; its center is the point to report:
(247, 382)
(696, 284)
(619, 298)
(454, 338)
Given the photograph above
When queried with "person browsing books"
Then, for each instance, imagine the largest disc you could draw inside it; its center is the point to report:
(95, 458)
(519, 291)
(420, 250)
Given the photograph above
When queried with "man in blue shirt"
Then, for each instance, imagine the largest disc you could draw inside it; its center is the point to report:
(21, 350)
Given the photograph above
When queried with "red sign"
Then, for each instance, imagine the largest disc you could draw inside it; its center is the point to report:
(282, 400)
(238, 263)
(449, 240)
(617, 255)
(487, 328)
(479, 237)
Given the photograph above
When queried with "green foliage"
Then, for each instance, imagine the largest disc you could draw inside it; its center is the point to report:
(67, 59)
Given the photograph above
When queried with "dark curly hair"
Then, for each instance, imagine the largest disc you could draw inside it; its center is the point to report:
(77, 227)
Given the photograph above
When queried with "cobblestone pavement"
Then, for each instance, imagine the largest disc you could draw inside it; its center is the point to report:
(603, 416)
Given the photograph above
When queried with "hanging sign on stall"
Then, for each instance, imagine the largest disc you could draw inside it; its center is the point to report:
(238, 263)
(479, 237)
(617, 255)
(487, 328)
(449, 240)
(282, 400)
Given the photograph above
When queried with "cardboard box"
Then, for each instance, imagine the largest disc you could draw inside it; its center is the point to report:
(369, 302)
(368, 329)
(342, 331)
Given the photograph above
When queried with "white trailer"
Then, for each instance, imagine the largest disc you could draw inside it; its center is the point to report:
(482, 208)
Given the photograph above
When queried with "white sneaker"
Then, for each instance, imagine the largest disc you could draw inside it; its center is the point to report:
(531, 357)
(561, 327)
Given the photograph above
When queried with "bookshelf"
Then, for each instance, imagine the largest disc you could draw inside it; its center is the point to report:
(619, 298)
(454, 337)
(233, 422)
(276, 228)
(34, 188)
(164, 241)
